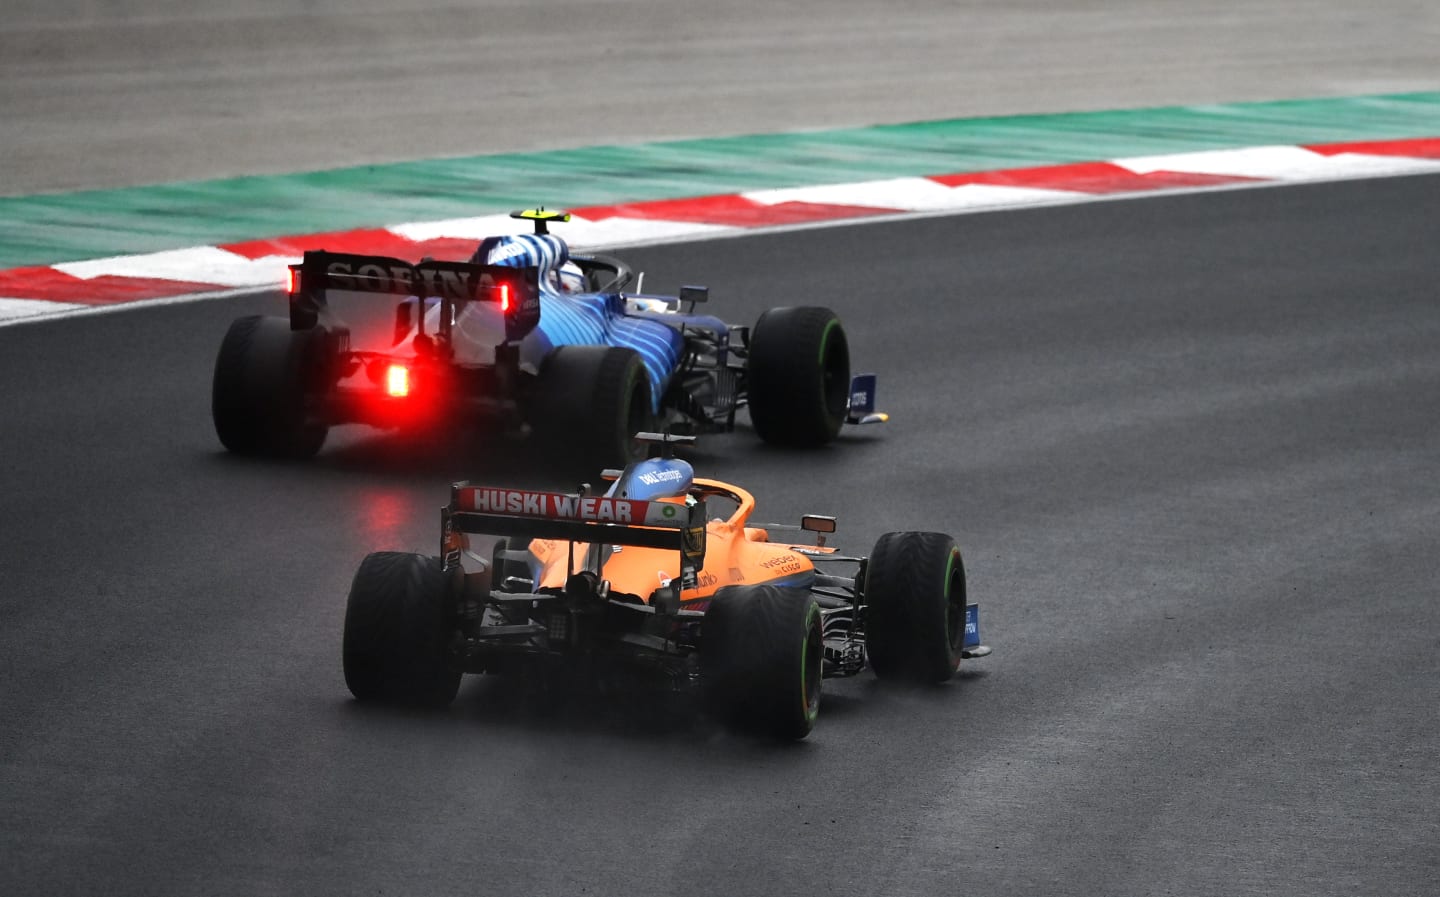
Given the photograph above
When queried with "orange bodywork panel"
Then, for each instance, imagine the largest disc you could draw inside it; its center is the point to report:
(734, 555)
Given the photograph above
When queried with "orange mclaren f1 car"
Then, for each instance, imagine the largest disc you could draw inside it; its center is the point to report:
(663, 574)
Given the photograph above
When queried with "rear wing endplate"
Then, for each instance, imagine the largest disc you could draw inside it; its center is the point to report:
(453, 283)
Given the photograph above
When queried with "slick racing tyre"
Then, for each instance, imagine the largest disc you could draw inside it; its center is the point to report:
(591, 401)
(798, 376)
(761, 657)
(915, 607)
(257, 398)
(397, 629)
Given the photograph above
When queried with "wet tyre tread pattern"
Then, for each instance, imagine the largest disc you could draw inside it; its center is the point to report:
(236, 418)
(754, 641)
(258, 389)
(591, 402)
(395, 634)
(791, 401)
(908, 633)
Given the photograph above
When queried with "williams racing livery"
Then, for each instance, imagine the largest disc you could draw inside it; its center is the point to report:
(529, 337)
(662, 577)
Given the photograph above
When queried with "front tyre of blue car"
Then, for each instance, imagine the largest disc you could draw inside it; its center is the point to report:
(798, 376)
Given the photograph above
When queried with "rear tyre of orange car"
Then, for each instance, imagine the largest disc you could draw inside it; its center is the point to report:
(258, 395)
(761, 656)
(398, 622)
(590, 403)
(915, 607)
(798, 376)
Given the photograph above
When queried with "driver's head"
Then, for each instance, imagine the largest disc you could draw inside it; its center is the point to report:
(569, 278)
(544, 251)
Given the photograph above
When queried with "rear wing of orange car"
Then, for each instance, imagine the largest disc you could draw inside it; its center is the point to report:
(574, 517)
(516, 290)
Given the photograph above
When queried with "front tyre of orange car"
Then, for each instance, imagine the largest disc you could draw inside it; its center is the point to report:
(914, 601)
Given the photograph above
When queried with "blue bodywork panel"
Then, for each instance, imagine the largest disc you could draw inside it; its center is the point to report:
(587, 319)
(590, 319)
(972, 626)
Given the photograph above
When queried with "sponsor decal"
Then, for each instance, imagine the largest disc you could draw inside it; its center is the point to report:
(972, 626)
(554, 504)
(431, 280)
(661, 476)
(403, 279)
(706, 579)
(561, 506)
(784, 564)
(506, 251)
(736, 574)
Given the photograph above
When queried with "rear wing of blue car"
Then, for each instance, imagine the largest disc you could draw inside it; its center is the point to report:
(516, 290)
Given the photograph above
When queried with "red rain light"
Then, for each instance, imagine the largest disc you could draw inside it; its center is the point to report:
(397, 381)
(292, 280)
(504, 297)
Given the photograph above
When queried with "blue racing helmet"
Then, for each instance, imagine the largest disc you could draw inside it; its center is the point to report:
(544, 251)
(655, 478)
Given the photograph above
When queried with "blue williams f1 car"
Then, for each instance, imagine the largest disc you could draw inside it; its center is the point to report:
(529, 338)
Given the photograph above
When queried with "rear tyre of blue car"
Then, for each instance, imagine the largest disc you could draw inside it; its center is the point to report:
(590, 402)
(761, 657)
(798, 376)
(398, 622)
(915, 607)
(258, 394)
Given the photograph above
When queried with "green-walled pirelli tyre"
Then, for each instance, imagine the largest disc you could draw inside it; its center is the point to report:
(760, 659)
(258, 395)
(798, 376)
(589, 403)
(398, 622)
(915, 607)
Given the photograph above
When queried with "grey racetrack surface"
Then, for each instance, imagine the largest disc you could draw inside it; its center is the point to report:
(1188, 444)
(105, 93)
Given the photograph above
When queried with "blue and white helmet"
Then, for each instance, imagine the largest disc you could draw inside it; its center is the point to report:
(544, 251)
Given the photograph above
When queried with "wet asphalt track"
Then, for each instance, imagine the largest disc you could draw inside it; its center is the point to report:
(1188, 444)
